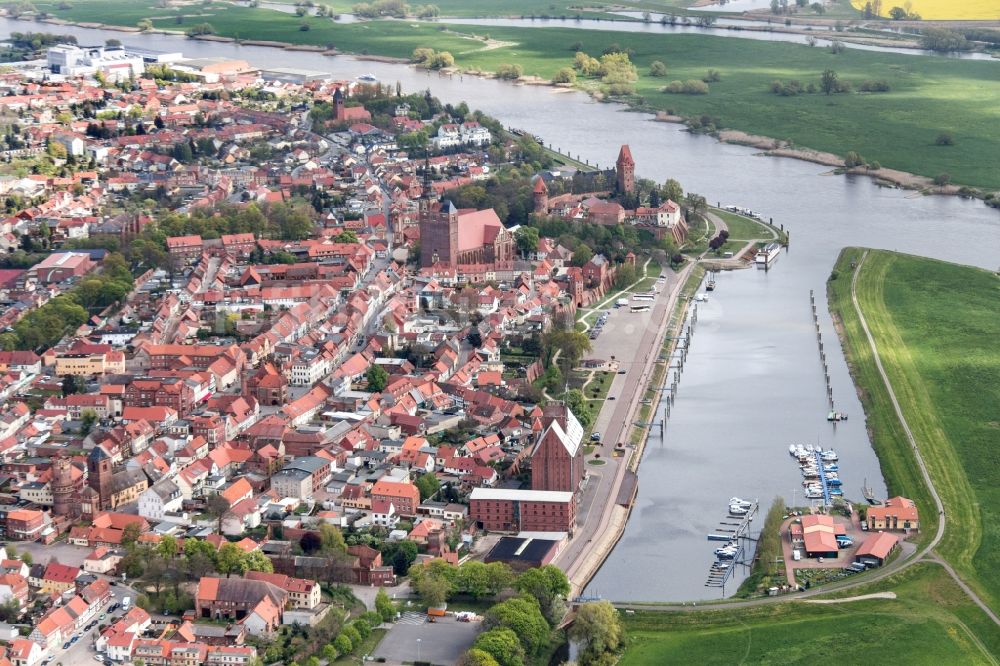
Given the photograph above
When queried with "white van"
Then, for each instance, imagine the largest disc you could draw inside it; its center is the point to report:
(796, 555)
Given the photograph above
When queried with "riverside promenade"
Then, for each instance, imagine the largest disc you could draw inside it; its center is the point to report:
(635, 342)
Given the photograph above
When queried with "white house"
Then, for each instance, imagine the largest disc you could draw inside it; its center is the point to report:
(384, 514)
(24, 652)
(162, 497)
(475, 134)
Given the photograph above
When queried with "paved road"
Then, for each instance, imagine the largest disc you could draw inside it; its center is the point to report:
(83, 652)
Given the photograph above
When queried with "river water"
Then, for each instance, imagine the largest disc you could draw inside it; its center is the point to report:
(752, 384)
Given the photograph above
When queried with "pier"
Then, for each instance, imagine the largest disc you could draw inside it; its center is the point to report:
(732, 529)
(834, 415)
(824, 484)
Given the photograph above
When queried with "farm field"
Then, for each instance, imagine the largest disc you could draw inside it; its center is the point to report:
(946, 10)
(934, 324)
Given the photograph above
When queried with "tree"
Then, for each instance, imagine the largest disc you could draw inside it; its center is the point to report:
(384, 606)
(256, 560)
(27, 558)
(72, 384)
(428, 485)
(347, 236)
(503, 645)
(10, 610)
(477, 657)
(217, 506)
(480, 580)
(231, 560)
(509, 72)
(945, 139)
(854, 159)
(942, 179)
(829, 82)
(343, 644)
(353, 634)
(87, 419)
(565, 75)
(527, 240)
(377, 378)
(523, 616)
(131, 534)
(548, 585)
(581, 255)
(433, 590)
(310, 542)
(696, 203)
(167, 548)
(400, 555)
(672, 191)
(577, 403)
(658, 68)
(598, 628)
(331, 539)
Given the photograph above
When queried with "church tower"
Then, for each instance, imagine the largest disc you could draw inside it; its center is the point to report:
(338, 105)
(99, 472)
(541, 197)
(625, 170)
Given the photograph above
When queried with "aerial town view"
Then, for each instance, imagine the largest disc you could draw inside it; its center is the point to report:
(499, 332)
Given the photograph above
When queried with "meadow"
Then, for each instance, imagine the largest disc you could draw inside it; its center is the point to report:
(934, 324)
(929, 622)
(945, 10)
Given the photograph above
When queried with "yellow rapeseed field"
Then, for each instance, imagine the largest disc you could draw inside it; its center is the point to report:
(969, 10)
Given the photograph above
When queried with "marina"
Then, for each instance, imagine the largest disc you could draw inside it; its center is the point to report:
(739, 545)
(820, 473)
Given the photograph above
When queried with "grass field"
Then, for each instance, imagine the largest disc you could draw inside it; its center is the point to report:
(946, 10)
(929, 95)
(930, 622)
(935, 326)
(743, 228)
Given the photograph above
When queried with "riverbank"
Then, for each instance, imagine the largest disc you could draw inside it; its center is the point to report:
(933, 323)
(898, 129)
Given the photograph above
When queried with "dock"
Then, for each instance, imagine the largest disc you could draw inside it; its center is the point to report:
(729, 531)
(822, 479)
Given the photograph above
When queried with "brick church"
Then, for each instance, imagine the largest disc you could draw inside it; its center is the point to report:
(453, 238)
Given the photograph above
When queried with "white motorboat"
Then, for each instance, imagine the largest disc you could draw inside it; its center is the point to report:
(735, 510)
(736, 501)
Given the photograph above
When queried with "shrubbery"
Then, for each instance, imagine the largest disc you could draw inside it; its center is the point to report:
(689, 87)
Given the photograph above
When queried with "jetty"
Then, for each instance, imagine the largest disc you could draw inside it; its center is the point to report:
(733, 530)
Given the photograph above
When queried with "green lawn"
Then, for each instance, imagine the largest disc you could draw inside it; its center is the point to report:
(935, 325)
(930, 622)
(744, 228)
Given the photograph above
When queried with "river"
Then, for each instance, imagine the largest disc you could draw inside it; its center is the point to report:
(752, 384)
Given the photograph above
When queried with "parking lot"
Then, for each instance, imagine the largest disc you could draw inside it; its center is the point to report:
(413, 638)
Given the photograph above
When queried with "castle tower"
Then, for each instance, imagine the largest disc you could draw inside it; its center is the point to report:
(99, 471)
(625, 170)
(63, 488)
(541, 197)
